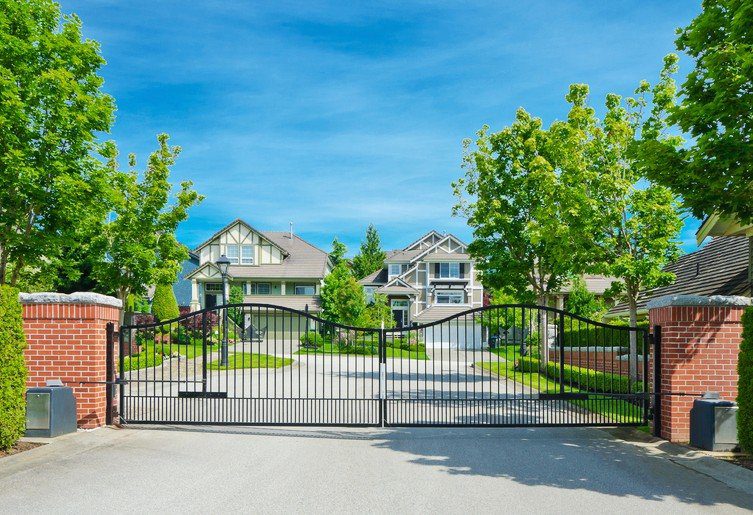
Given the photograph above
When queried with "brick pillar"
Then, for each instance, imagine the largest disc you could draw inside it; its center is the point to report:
(700, 343)
(66, 340)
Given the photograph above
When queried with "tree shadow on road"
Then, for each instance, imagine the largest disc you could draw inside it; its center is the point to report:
(584, 459)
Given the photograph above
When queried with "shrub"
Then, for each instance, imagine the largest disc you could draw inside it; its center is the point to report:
(588, 335)
(164, 303)
(313, 338)
(745, 384)
(12, 368)
(583, 378)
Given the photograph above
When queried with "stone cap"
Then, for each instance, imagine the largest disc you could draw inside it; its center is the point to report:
(700, 300)
(79, 297)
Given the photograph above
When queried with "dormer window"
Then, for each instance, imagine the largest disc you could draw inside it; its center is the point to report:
(393, 270)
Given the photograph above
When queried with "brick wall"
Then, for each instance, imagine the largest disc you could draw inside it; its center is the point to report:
(700, 345)
(66, 340)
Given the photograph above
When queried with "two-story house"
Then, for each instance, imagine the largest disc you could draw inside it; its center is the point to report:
(430, 279)
(276, 268)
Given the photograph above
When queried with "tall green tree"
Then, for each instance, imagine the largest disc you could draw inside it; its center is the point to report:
(370, 257)
(513, 197)
(52, 107)
(635, 223)
(139, 239)
(714, 172)
(337, 254)
(342, 298)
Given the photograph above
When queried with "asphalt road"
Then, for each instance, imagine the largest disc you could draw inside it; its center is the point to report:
(262, 470)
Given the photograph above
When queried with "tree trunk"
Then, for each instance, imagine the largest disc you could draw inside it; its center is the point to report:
(633, 306)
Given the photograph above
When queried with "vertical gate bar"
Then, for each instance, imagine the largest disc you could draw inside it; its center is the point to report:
(110, 371)
(561, 338)
(382, 378)
(657, 381)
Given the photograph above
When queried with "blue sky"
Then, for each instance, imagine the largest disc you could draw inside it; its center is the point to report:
(335, 115)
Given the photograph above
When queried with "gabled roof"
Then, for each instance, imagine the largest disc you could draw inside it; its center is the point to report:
(422, 238)
(375, 278)
(719, 268)
(231, 224)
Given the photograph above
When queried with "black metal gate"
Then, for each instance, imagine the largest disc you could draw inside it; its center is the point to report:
(258, 364)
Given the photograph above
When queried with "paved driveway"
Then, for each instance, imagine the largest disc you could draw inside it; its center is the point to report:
(214, 470)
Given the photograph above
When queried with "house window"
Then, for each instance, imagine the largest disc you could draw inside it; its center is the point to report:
(449, 297)
(369, 292)
(305, 289)
(449, 270)
(213, 287)
(232, 254)
(247, 254)
(394, 269)
(260, 289)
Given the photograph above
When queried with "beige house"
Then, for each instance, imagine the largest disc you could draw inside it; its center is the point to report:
(430, 279)
(276, 268)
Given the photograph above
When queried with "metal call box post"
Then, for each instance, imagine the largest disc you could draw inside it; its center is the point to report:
(50, 410)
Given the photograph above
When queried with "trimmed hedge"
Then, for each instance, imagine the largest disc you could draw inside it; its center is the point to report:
(164, 303)
(12, 368)
(583, 378)
(587, 335)
(745, 384)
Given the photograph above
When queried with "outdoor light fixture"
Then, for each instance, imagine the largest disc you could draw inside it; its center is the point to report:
(223, 263)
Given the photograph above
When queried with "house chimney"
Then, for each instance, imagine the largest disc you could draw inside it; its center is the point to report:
(291, 230)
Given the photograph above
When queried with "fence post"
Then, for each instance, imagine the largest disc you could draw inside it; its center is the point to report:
(561, 338)
(657, 381)
(109, 371)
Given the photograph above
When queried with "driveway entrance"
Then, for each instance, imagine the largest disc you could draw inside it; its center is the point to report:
(255, 364)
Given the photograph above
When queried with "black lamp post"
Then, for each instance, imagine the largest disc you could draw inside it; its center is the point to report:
(223, 263)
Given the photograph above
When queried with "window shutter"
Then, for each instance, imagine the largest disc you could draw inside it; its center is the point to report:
(462, 270)
(436, 269)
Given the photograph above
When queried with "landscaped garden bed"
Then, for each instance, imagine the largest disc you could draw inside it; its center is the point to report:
(509, 366)
(20, 446)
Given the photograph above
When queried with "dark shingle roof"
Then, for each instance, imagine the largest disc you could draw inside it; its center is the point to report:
(719, 268)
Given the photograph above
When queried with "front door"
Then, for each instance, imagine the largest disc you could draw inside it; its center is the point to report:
(400, 312)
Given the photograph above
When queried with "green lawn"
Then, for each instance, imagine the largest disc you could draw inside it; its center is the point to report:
(238, 360)
(364, 349)
(151, 353)
(614, 408)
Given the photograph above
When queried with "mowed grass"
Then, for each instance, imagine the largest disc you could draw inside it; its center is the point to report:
(238, 360)
(363, 349)
(617, 410)
(151, 354)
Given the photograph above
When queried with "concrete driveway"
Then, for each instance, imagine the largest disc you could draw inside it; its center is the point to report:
(260, 470)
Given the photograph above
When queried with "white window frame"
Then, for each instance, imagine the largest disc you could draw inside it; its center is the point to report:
(313, 289)
(247, 259)
(449, 294)
(233, 256)
(449, 270)
(390, 273)
(369, 292)
(254, 289)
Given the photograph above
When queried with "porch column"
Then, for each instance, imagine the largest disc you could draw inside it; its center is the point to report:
(560, 302)
(195, 305)
(282, 288)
